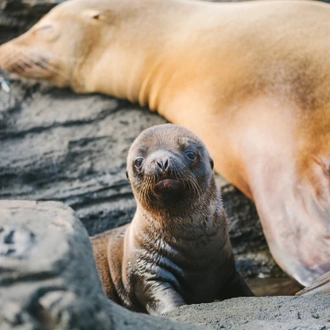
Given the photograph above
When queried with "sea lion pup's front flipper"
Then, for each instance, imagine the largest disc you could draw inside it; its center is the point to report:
(161, 297)
(100, 244)
(321, 285)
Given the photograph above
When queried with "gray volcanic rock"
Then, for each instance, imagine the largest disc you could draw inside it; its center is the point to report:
(48, 278)
(271, 313)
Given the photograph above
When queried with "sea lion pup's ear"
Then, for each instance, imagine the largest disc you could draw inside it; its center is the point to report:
(127, 177)
(211, 163)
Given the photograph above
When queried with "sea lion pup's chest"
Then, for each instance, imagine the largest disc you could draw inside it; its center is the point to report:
(195, 261)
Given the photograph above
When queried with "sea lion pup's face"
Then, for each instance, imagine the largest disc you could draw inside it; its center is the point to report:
(168, 165)
(61, 43)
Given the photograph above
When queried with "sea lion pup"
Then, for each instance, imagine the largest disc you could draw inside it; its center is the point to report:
(251, 79)
(176, 250)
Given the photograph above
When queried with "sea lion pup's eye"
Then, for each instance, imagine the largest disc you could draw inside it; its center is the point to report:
(190, 154)
(138, 162)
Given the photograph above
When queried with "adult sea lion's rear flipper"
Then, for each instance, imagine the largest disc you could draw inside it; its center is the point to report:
(321, 285)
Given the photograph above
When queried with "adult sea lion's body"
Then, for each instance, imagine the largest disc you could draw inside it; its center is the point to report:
(176, 250)
(251, 79)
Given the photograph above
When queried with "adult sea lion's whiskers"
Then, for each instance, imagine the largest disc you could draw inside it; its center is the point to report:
(22, 58)
(9, 61)
(45, 64)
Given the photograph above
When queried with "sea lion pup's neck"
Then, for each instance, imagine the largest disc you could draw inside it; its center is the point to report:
(191, 217)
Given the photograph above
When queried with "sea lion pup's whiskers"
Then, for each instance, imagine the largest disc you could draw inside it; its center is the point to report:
(188, 180)
(150, 181)
(176, 251)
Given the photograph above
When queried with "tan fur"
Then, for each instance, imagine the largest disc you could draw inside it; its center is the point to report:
(251, 79)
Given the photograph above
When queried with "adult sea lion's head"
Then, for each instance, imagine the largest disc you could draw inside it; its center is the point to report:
(68, 46)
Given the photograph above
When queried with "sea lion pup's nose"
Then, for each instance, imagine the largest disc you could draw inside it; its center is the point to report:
(163, 163)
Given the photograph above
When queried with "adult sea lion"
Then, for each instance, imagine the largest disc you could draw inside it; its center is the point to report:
(251, 79)
(176, 250)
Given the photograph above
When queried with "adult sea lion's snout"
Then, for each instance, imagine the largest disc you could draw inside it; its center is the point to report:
(26, 62)
(32, 55)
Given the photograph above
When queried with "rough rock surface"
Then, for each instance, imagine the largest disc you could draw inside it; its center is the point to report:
(271, 313)
(48, 278)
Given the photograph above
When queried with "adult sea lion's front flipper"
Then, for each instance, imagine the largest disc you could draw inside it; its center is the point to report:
(321, 285)
(287, 168)
(293, 204)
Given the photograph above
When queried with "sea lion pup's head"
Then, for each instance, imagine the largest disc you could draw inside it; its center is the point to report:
(169, 167)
